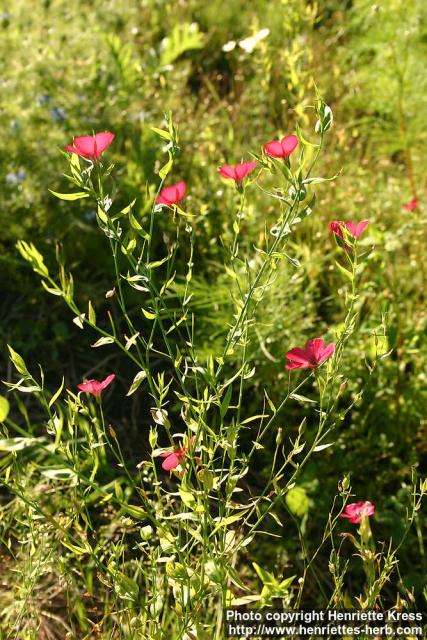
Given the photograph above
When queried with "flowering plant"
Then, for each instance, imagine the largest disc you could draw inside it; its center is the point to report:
(194, 517)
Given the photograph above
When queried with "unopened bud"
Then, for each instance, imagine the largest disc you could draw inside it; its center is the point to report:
(344, 484)
(153, 438)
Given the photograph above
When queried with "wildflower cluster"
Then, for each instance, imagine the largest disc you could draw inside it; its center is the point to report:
(198, 522)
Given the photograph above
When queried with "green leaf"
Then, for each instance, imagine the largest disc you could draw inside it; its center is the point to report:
(57, 394)
(163, 134)
(130, 342)
(260, 416)
(224, 522)
(286, 583)
(91, 313)
(320, 447)
(157, 263)
(270, 402)
(4, 408)
(266, 577)
(17, 444)
(136, 512)
(70, 196)
(226, 401)
(344, 271)
(128, 208)
(230, 272)
(102, 341)
(17, 361)
(206, 478)
(130, 247)
(61, 473)
(317, 180)
(166, 168)
(125, 587)
(79, 551)
(296, 396)
(102, 216)
(149, 314)
(308, 210)
(79, 320)
(134, 222)
(75, 166)
(138, 379)
(304, 140)
(29, 252)
(51, 290)
(188, 498)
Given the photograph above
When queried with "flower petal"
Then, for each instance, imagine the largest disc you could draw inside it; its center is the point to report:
(103, 141)
(328, 350)
(360, 228)
(298, 358)
(297, 365)
(336, 227)
(314, 348)
(85, 145)
(108, 380)
(172, 194)
(227, 171)
(274, 149)
(244, 168)
(411, 205)
(289, 144)
(358, 510)
(90, 386)
(181, 188)
(171, 462)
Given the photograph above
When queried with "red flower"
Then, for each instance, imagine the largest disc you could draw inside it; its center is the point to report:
(91, 147)
(174, 458)
(410, 206)
(238, 171)
(172, 195)
(315, 353)
(358, 510)
(281, 148)
(95, 387)
(353, 228)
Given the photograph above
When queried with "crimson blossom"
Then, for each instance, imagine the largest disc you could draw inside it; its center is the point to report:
(315, 352)
(91, 147)
(411, 205)
(282, 148)
(95, 387)
(358, 510)
(175, 457)
(355, 229)
(172, 195)
(237, 172)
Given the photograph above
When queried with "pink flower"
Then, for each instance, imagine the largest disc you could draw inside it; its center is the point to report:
(172, 195)
(95, 387)
(238, 171)
(353, 228)
(358, 510)
(281, 148)
(315, 353)
(410, 206)
(91, 147)
(174, 458)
